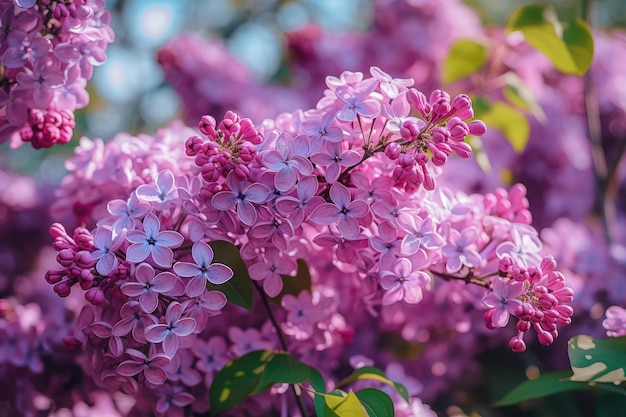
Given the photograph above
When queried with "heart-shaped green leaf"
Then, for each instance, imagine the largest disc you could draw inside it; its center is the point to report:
(376, 402)
(465, 58)
(501, 116)
(569, 45)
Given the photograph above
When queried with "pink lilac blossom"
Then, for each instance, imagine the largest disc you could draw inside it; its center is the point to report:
(47, 54)
(161, 212)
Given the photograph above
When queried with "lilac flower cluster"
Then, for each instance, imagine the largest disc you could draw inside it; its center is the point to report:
(47, 53)
(348, 187)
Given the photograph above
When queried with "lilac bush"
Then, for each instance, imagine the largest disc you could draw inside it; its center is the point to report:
(47, 53)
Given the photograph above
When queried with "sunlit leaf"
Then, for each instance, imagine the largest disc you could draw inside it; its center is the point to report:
(376, 402)
(348, 406)
(504, 118)
(569, 45)
(598, 360)
(238, 379)
(466, 57)
(372, 373)
(238, 290)
(518, 94)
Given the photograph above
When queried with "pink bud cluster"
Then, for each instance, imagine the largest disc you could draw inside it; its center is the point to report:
(47, 53)
(440, 130)
(74, 255)
(537, 296)
(231, 146)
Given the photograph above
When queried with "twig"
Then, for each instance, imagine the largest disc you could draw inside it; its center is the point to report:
(282, 341)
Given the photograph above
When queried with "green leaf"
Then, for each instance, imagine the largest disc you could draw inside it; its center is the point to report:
(238, 289)
(294, 285)
(372, 373)
(376, 402)
(597, 360)
(238, 379)
(552, 383)
(284, 368)
(568, 45)
(348, 406)
(465, 58)
(504, 118)
(518, 94)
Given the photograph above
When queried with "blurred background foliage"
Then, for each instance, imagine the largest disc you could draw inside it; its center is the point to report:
(129, 93)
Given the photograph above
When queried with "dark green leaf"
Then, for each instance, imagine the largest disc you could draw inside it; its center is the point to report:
(598, 360)
(284, 368)
(569, 46)
(238, 289)
(294, 285)
(238, 379)
(465, 58)
(376, 402)
(504, 118)
(552, 383)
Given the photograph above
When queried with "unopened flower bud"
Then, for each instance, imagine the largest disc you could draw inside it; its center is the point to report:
(94, 295)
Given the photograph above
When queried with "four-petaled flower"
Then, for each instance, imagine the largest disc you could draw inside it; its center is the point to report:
(242, 196)
(403, 283)
(502, 300)
(343, 210)
(148, 287)
(151, 366)
(153, 242)
(175, 326)
(202, 270)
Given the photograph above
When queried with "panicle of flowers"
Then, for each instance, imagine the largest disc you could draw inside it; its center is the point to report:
(537, 296)
(47, 53)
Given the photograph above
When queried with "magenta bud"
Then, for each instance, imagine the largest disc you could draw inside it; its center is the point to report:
(54, 277)
(517, 345)
(65, 257)
(94, 295)
(393, 150)
(63, 288)
(477, 127)
(84, 260)
(418, 100)
(545, 338)
(523, 325)
(207, 126)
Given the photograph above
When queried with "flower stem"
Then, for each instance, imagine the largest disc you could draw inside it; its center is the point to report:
(281, 340)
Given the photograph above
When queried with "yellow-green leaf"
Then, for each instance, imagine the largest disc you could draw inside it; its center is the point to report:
(569, 45)
(518, 94)
(372, 373)
(504, 118)
(348, 406)
(465, 58)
